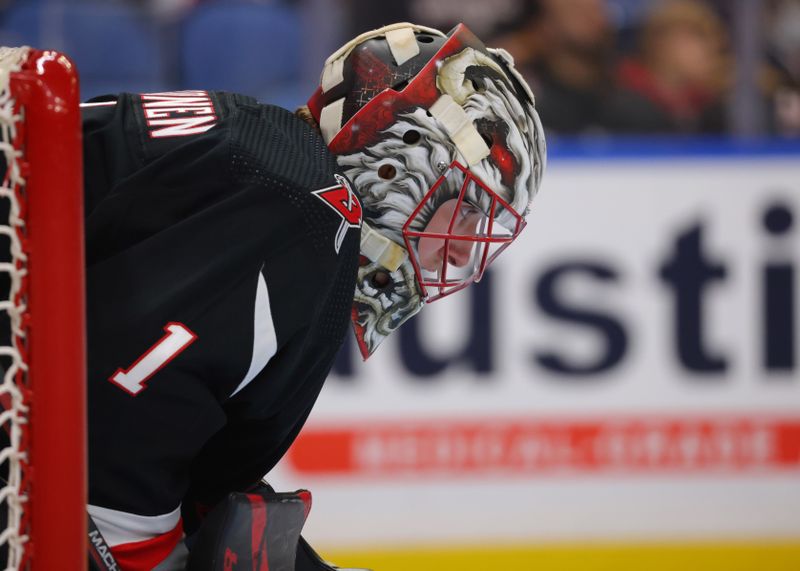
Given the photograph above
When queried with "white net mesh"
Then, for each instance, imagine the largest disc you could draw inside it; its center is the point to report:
(13, 389)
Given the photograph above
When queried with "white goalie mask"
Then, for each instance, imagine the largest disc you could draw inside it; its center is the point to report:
(441, 139)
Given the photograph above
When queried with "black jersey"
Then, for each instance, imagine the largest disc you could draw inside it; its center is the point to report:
(222, 245)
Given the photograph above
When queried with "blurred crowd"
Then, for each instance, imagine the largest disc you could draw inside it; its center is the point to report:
(641, 66)
(673, 79)
(673, 73)
(597, 66)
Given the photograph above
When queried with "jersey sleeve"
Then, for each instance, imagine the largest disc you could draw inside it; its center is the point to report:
(219, 283)
(310, 294)
(264, 414)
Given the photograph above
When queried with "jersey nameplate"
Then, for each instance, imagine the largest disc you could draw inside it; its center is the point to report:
(344, 202)
(178, 113)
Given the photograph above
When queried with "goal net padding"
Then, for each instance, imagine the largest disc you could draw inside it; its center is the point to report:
(42, 322)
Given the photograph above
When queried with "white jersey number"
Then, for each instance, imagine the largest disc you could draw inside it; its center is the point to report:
(133, 380)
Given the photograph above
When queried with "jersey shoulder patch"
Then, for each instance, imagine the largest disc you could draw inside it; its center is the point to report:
(341, 199)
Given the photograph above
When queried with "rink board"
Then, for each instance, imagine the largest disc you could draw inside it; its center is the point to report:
(588, 394)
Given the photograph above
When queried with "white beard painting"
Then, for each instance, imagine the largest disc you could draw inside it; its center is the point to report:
(417, 161)
(378, 311)
(388, 203)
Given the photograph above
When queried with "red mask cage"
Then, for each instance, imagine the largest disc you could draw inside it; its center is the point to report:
(466, 226)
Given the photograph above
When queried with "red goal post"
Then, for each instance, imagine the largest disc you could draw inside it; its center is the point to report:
(43, 462)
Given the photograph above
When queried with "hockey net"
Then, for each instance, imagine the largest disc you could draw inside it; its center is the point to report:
(42, 499)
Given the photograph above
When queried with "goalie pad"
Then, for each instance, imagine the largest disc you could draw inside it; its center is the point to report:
(254, 531)
(258, 530)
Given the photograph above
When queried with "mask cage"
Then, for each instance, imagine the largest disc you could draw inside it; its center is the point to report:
(469, 227)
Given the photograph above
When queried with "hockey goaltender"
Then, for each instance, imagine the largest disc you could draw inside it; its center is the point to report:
(230, 243)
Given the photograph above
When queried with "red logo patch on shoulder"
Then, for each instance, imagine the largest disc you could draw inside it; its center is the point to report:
(344, 202)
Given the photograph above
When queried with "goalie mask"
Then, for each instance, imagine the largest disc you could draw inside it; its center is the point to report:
(441, 139)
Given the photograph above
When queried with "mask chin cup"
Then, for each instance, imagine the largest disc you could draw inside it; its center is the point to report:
(381, 306)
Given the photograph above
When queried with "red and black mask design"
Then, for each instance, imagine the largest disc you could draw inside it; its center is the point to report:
(442, 142)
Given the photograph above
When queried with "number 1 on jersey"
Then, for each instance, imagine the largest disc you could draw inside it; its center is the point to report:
(177, 338)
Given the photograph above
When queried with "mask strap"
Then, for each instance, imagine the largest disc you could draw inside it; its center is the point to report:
(461, 129)
(380, 249)
(333, 72)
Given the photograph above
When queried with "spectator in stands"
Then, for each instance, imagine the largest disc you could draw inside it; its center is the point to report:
(678, 79)
(780, 81)
(566, 50)
(168, 10)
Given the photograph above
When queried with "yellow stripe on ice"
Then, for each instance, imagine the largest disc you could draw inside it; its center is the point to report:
(756, 556)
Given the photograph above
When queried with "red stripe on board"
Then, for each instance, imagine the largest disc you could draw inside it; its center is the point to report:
(651, 444)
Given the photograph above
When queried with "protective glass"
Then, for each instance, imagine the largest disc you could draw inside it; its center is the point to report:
(456, 231)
